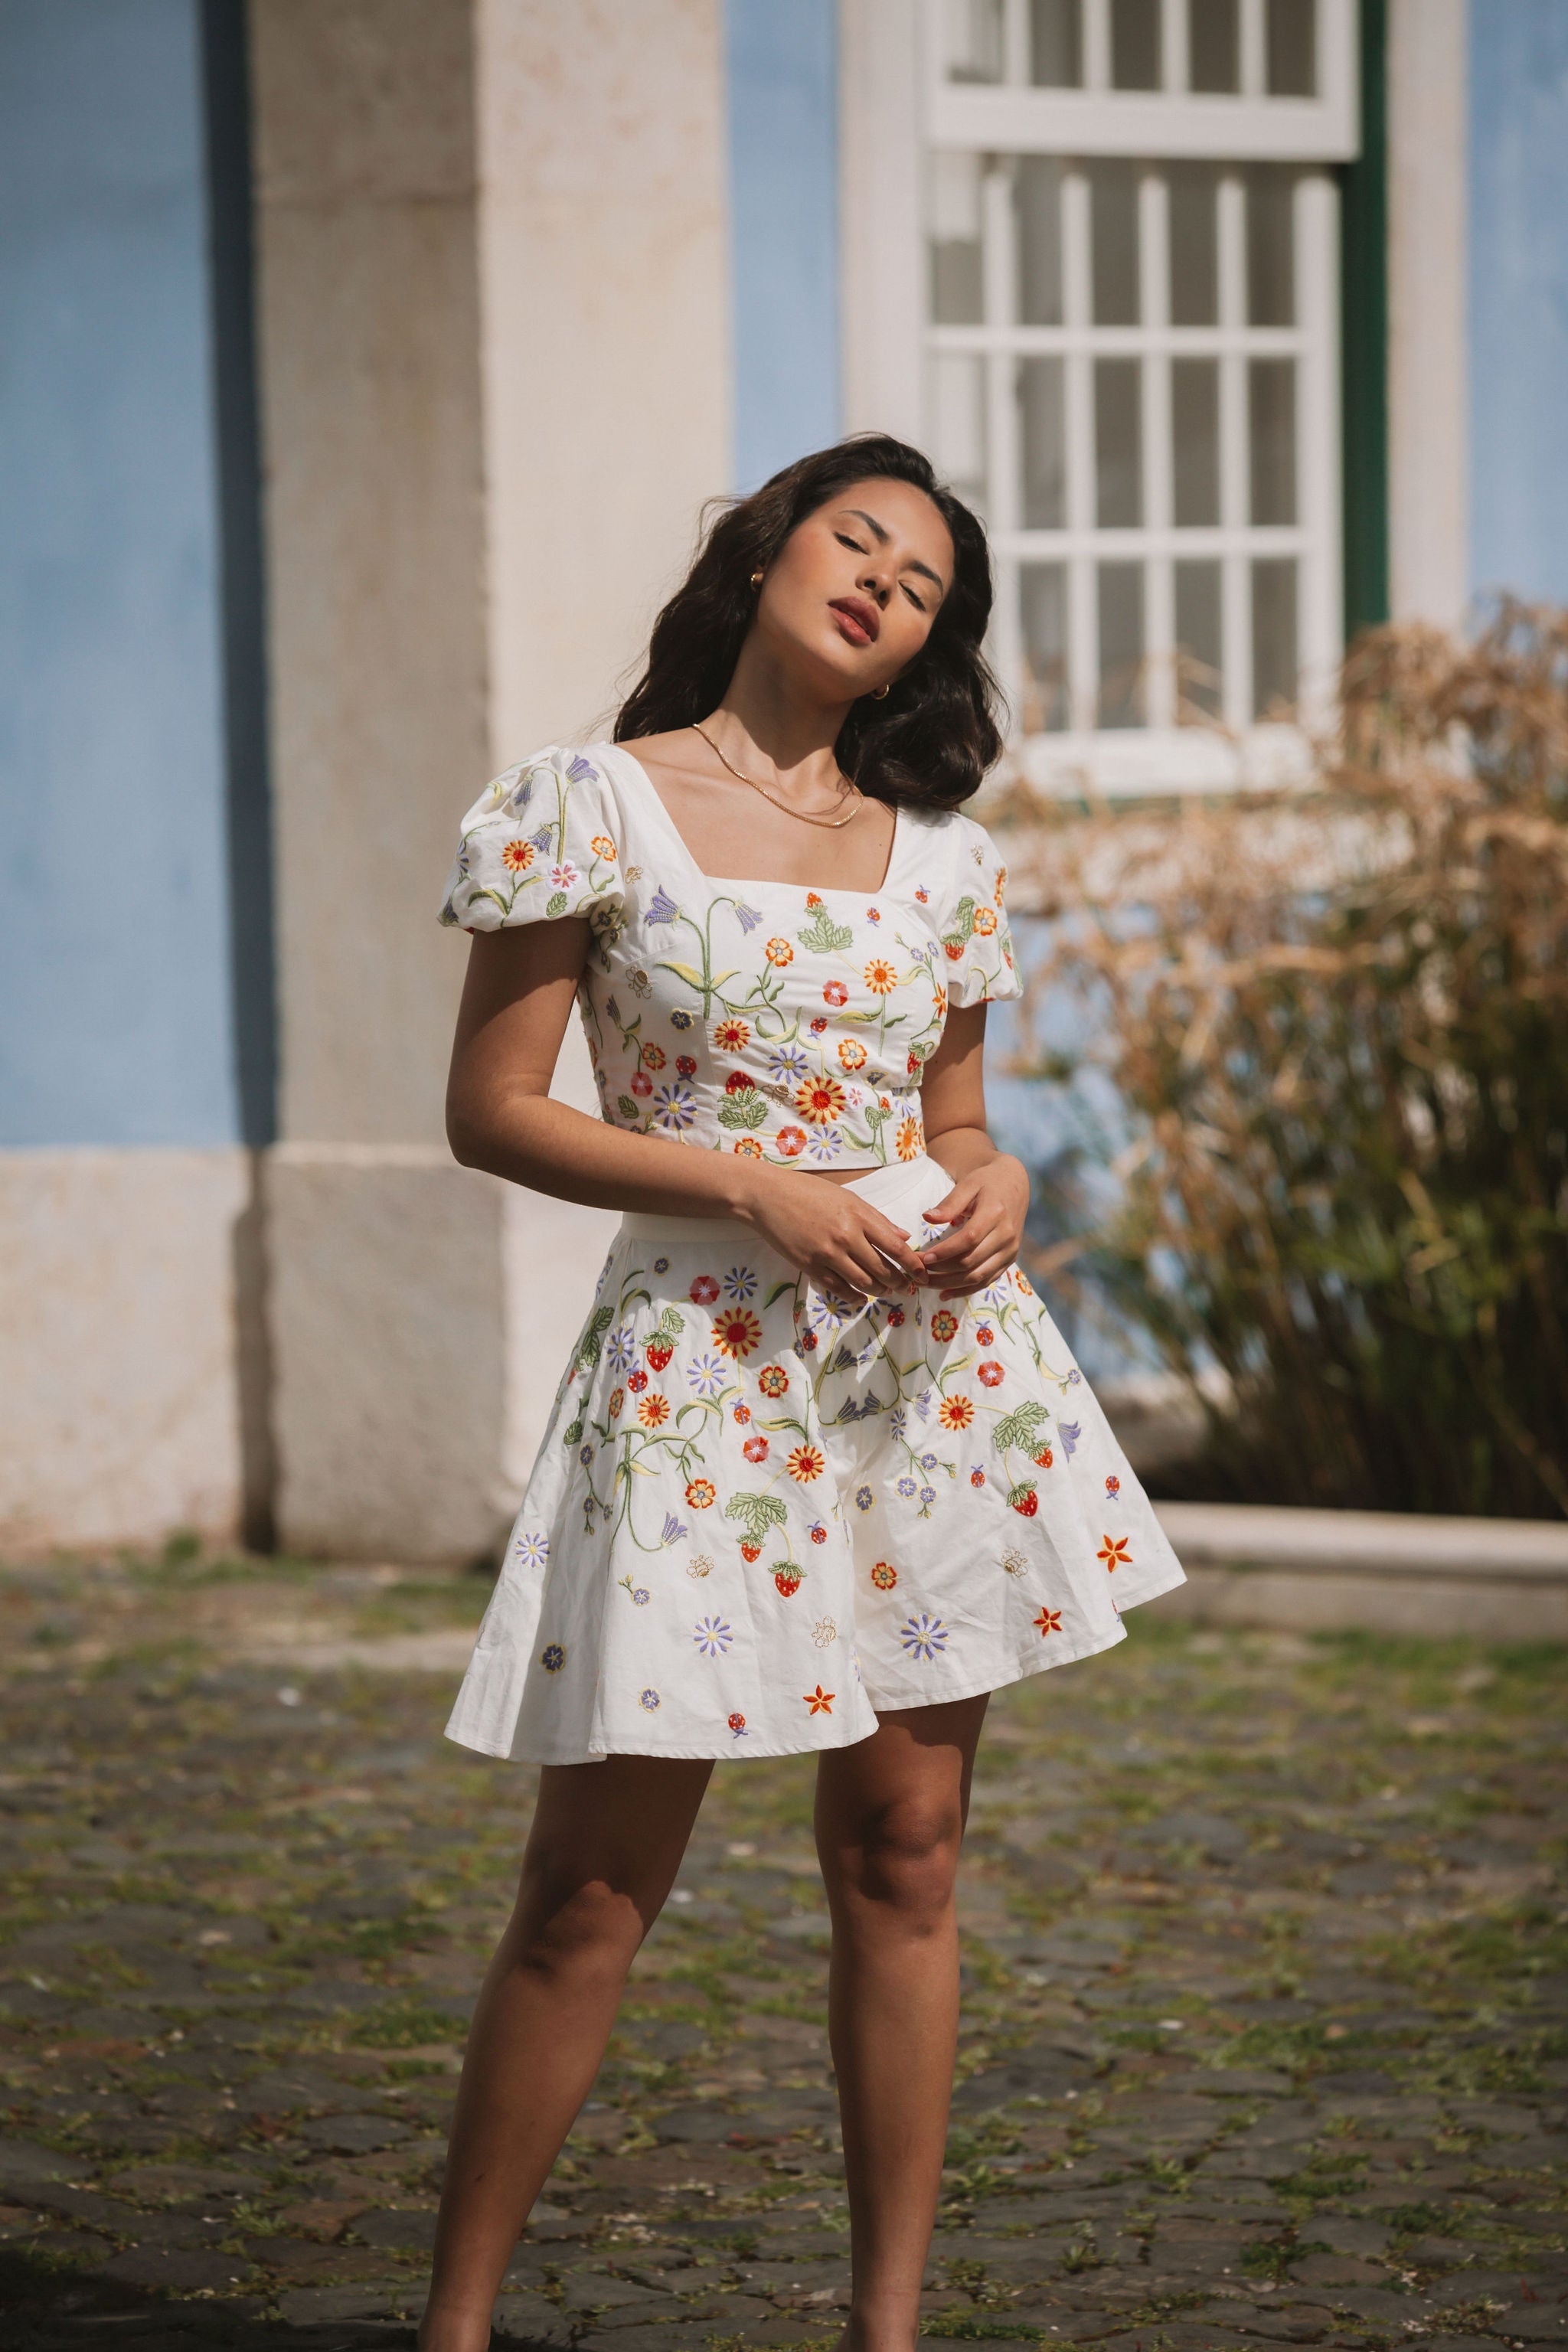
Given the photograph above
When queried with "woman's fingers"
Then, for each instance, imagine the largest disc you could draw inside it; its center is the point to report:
(893, 1243)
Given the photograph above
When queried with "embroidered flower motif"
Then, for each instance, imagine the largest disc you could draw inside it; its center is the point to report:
(740, 1282)
(704, 1290)
(906, 1486)
(805, 1463)
(552, 1657)
(991, 1374)
(661, 1266)
(834, 992)
(884, 1576)
(819, 1701)
(618, 1400)
(779, 953)
(706, 1375)
(786, 1062)
(700, 1493)
(911, 1140)
(517, 856)
(661, 908)
(825, 1144)
(675, 1106)
(641, 1083)
(681, 1018)
(732, 1036)
(791, 1142)
(748, 1148)
(640, 1594)
(653, 1057)
(1114, 1553)
(653, 1411)
(880, 977)
(564, 876)
(649, 1698)
(956, 1411)
(755, 1449)
(747, 917)
(1049, 1620)
(601, 846)
(531, 1550)
(851, 1054)
(923, 1635)
(773, 1379)
(712, 1637)
(943, 1325)
(820, 1100)
(864, 1498)
(1069, 1433)
(736, 1332)
(985, 922)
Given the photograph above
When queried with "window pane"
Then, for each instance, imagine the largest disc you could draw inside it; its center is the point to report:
(1056, 53)
(1195, 247)
(1038, 193)
(1199, 657)
(1274, 658)
(973, 39)
(957, 283)
(1213, 46)
(1040, 403)
(1292, 48)
(1195, 426)
(1271, 247)
(1117, 444)
(958, 422)
(1135, 44)
(1113, 212)
(1121, 644)
(1271, 418)
(1042, 591)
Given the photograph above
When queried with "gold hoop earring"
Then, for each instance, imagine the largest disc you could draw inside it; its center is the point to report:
(880, 693)
(756, 579)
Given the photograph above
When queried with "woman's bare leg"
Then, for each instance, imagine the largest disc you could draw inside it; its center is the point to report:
(602, 1856)
(889, 1820)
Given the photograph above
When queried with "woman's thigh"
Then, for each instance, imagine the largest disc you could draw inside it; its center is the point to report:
(616, 1830)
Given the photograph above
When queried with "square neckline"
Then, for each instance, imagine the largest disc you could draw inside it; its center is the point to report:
(732, 882)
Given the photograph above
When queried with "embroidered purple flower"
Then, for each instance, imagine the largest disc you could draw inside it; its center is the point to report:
(531, 1550)
(649, 1698)
(712, 1637)
(522, 792)
(1069, 1433)
(552, 1657)
(674, 1531)
(661, 908)
(740, 1282)
(543, 837)
(680, 1019)
(747, 917)
(675, 1106)
(923, 1636)
(580, 770)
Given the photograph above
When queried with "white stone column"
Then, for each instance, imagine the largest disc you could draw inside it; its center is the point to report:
(493, 324)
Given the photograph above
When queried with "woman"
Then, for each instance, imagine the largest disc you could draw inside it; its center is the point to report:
(820, 1473)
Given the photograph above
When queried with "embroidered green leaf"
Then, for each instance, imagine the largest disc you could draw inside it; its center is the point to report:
(669, 1324)
(963, 925)
(495, 897)
(626, 1105)
(823, 936)
(756, 1512)
(1018, 1427)
(876, 1116)
(593, 1339)
(572, 1432)
(555, 904)
(748, 1110)
(688, 973)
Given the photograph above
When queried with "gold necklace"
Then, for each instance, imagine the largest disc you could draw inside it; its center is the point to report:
(833, 823)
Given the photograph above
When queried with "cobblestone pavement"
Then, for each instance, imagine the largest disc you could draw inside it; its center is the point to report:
(1264, 2030)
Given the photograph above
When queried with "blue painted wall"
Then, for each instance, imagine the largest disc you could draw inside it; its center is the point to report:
(1519, 297)
(783, 65)
(115, 995)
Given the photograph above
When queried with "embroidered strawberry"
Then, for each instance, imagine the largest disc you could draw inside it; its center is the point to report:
(659, 1353)
(1043, 1458)
(751, 1551)
(787, 1578)
(1025, 1501)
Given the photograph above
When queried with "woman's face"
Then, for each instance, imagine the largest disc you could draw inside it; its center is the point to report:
(852, 594)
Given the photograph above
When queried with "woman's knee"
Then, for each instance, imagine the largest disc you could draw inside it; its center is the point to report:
(569, 1923)
(903, 1858)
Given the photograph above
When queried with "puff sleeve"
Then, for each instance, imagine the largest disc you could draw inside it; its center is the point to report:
(540, 843)
(977, 945)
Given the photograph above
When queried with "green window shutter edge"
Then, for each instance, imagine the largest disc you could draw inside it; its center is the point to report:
(1363, 294)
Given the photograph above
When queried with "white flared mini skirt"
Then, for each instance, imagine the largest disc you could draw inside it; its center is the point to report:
(764, 1514)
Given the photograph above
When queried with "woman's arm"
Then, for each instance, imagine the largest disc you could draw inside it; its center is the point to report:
(517, 1000)
(990, 1197)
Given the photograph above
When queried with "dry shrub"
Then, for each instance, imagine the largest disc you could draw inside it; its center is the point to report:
(1336, 1023)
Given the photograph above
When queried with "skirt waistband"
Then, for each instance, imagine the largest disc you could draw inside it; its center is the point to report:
(901, 1191)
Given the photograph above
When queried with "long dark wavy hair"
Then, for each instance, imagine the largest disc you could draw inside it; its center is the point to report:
(930, 741)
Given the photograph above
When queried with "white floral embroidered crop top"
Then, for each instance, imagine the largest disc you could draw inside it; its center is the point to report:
(757, 1017)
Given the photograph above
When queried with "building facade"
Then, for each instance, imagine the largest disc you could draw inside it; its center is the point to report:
(366, 366)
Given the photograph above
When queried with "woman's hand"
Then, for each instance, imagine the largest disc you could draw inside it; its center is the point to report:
(832, 1235)
(985, 1211)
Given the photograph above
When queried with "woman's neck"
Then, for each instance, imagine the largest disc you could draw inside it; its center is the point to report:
(763, 722)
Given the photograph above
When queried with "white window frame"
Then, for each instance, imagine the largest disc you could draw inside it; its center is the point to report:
(897, 109)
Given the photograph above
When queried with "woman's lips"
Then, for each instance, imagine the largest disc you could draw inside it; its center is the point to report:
(858, 622)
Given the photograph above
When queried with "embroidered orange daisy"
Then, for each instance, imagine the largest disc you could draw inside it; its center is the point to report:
(821, 1101)
(517, 856)
(732, 1036)
(700, 1493)
(884, 1576)
(911, 1142)
(986, 920)
(1113, 1552)
(601, 846)
(1049, 1620)
(851, 1053)
(804, 1463)
(652, 1409)
(736, 1332)
(773, 1379)
(819, 1701)
(943, 1324)
(780, 953)
(956, 1411)
(880, 977)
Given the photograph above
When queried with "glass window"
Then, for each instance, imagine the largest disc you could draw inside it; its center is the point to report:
(975, 39)
(1193, 190)
(1291, 47)
(1121, 613)
(1037, 195)
(1270, 247)
(1117, 444)
(1198, 643)
(1113, 242)
(1056, 46)
(1213, 47)
(1275, 659)
(1194, 433)
(1271, 433)
(1042, 589)
(1135, 44)
(954, 246)
(1044, 453)
(956, 402)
